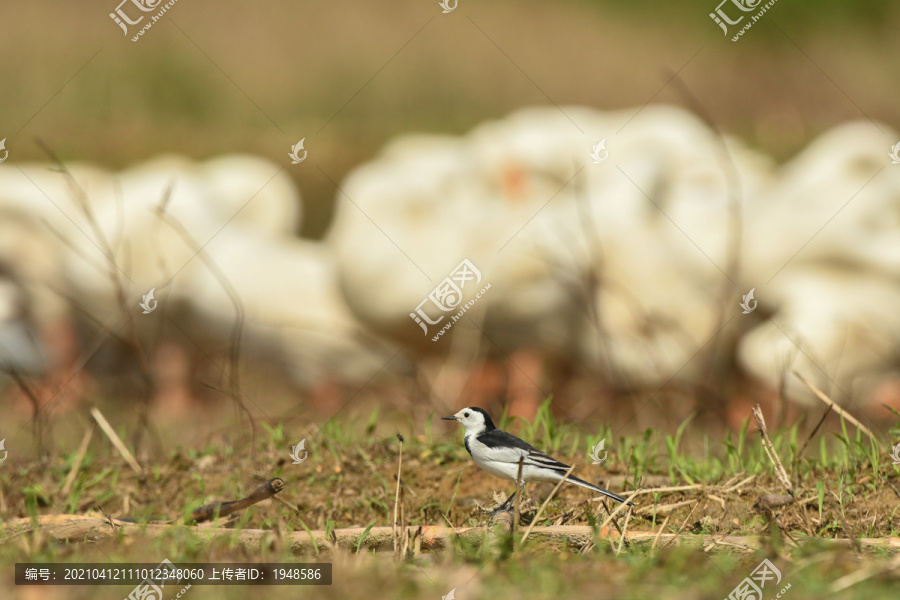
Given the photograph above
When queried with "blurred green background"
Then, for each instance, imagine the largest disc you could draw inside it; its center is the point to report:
(347, 75)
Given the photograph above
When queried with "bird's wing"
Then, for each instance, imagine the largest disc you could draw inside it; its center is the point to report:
(506, 447)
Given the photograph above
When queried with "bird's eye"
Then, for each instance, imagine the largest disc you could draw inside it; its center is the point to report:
(465, 414)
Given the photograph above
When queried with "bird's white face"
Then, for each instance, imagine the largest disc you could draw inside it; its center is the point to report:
(472, 420)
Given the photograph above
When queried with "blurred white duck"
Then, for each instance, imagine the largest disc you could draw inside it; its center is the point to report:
(255, 192)
(499, 198)
(836, 200)
(411, 216)
(830, 229)
(249, 207)
(835, 326)
(286, 286)
(291, 304)
(662, 210)
(233, 192)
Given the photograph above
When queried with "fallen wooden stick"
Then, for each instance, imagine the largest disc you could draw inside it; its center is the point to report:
(263, 492)
(209, 511)
(77, 528)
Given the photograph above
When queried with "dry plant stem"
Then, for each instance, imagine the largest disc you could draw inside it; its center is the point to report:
(397, 495)
(683, 524)
(659, 533)
(623, 531)
(109, 520)
(452, 526)
(828, 401)
(615, 523)
(546, 502)
(893, 487)
(685, 488)
(37, 421)
(852, 579)
(116, 441)
(82, 450)
(406, 488)
(787, 533)
(292, 507)
(740, 484)
(769, 447)
(715, 498)
(812, 434)
(679, 488)
(520, 489)
(619, 509)
(665, 509)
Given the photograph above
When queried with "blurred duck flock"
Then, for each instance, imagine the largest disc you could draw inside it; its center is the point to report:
(653, 275)
(621, 265)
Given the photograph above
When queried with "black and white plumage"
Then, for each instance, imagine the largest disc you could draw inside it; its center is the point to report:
(498, 453)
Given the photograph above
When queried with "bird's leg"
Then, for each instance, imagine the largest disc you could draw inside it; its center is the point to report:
(505, 507)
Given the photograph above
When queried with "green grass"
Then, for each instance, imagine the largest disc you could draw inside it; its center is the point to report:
(348, 481)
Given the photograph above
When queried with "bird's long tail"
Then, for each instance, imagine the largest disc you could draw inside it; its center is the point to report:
(591, 486)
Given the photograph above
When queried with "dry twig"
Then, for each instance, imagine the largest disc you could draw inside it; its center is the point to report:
(828, 401)
(769, 447)
(116, 440)
(397, 495)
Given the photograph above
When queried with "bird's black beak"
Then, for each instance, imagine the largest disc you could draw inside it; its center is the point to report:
(450, 418)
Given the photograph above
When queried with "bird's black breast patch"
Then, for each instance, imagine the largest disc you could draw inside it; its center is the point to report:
(469, 450)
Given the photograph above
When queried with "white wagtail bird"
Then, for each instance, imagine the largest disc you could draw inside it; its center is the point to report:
(498, 453)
